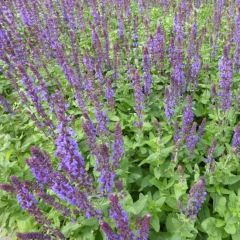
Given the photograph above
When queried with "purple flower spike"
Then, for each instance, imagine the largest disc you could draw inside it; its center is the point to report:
(96, 44)
(211, 151)
(201, 128)
(177, 133)
(120, 217)
(192, 138)
(33, 94)
(120, 27)
(196, 198)
(50, 200)
(109, 232)
(27, 201)
(60, 107)
(187, 117)
(7, 188)
(179, 27)
(236, 39)
(5, 104)
(67, 192)
(169, 102)
(144, 227)
(25, 13)
(104, 167)
(40, 160)
(118, 146)
(91, 133)
(226, 72)
(33, 236)
(138, 94)
(195, 68)
(217, 19)
(197, 3)
(102, 121)
(236, 138)
(72, 161)
(109, 93)
(156, 45)
(147, 73)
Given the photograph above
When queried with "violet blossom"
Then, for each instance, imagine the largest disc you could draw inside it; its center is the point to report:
(226, 74)
(196, 198)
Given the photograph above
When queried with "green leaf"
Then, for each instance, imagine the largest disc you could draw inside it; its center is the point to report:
(220, 205)
(139, 205)
(69, 228)
(229, 180)
(25, 225)
(157, 172)
(236, 236)
(155, 223)
(230, 228)
(180, 189)
(160, 201)
(209, 226)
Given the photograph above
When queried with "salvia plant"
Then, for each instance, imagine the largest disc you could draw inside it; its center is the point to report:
(120, 119)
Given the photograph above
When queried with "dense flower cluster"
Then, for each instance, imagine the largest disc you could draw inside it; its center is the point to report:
(42, 169)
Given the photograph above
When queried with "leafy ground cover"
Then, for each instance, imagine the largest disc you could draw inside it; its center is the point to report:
(119, 119)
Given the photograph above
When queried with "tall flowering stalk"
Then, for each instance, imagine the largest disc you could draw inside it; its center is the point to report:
(226, 73)
(156, 45)
(109, 232)
(33, 94)
(236, 139)
(236, 38)
(188, 117)
(71, 159)
(109, 93)
(121, 218)
(217, 19)
(169, 102)
(67, 150)
(91, 134)
(144, 227)
(196, 198)
(202, 128)
(139, 97)
(51, 201)
(147, 71)
(27, 201)
(210, 160)
(118, 146)
(193, 56)
(176, 55)
(192, 138)
(197, 3)
(104, 166)
(33, 235)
